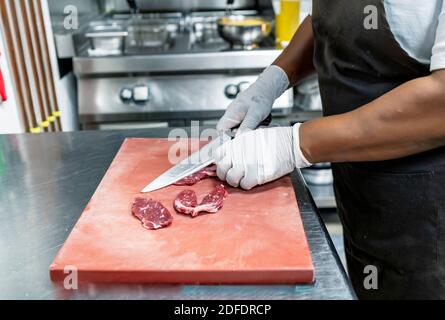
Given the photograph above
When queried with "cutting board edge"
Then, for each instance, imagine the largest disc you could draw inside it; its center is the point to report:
(303, 276)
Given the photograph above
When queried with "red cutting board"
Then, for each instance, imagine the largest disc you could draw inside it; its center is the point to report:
(257, 237)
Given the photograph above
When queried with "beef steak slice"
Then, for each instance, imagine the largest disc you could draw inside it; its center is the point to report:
(186, 202)
(198, 176)
(152, 214)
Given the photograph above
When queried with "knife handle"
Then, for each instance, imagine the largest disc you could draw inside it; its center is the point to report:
(265, 123)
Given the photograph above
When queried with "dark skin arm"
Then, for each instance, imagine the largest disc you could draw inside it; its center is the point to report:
(402, 122)
(297, 58)
(405, 121)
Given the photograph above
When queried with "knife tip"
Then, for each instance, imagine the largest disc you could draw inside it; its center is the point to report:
(146, 190)
(150, 188)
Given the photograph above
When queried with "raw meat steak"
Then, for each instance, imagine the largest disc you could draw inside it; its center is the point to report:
(152, 214)
(186, 202)
(213, 201)
(198, 176)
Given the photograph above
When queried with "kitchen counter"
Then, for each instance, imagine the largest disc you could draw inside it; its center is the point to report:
(46, 181)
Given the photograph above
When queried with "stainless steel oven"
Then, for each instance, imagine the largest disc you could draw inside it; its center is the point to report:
(169, 64)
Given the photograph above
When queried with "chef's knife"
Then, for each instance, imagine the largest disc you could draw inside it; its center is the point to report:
(196, 162)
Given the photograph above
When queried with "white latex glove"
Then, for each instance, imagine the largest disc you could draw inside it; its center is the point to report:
(254, 104)
(260, 156)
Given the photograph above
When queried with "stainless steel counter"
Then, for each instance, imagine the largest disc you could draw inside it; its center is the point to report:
(45, 182)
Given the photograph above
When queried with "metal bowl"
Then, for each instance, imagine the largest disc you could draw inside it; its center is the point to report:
(244, 31)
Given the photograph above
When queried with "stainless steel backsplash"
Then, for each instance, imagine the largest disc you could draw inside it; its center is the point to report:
(100, 6)
(185, 5)
(56, 7)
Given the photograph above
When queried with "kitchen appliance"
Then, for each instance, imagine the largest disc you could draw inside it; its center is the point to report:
(256, 238)
(244, 31)
(175, 66)
(320, 181)
(308, 94)
(319, 174)
(107, 39)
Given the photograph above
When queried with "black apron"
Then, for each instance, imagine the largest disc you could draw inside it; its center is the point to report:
(393, 212)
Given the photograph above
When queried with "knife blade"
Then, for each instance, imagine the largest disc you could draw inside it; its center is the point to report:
(196, 162)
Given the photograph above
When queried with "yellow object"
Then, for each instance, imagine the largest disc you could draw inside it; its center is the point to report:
(35, 130)
(287, 21)
(45, 124)
(247, 22)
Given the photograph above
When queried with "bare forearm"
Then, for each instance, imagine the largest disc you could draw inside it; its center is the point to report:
(297, 59)
(405, 121)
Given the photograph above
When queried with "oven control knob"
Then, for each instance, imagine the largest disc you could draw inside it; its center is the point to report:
(231, 91)
(243, 86)
(140, 94)
(126, 94)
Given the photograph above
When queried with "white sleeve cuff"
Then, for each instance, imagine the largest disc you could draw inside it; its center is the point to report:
(300, 160)
(438, 50)
(437, 62)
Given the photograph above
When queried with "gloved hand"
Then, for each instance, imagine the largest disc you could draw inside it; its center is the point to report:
(260, 156)
(254, 104)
